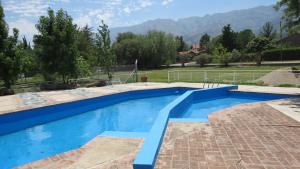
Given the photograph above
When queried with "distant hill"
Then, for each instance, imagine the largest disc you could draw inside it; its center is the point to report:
(193, 27)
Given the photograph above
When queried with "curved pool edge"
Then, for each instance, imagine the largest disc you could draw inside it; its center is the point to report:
(147, 155)
(41, 115)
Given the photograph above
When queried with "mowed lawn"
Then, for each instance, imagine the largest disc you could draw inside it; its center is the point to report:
(161, 75)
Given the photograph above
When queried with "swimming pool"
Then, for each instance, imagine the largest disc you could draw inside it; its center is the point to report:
(46, 139)
(200, 108)
(31, 135)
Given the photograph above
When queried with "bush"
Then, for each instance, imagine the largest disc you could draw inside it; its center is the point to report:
(236, 56)
(287, 54)
(184, 59)
(203, 59)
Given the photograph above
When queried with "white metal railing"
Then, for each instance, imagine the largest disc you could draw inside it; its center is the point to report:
(234, 76)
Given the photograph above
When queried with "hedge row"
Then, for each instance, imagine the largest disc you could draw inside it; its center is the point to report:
(284, 54)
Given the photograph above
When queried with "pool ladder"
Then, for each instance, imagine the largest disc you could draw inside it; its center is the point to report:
(217, 83)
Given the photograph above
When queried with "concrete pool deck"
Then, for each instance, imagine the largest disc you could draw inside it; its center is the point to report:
(173, 152)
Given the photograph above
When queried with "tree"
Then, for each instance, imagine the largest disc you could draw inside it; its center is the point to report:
(258, 45)
(28, 61)
(203, 59)
(9, 61)
(228, 38)
(183, 59)
(268, 31)
(204, 40)
(182, 46)
(56, 46)
(243, 38)
(106, 58)
(295, 30)
(291, 10)
(86, 45)
(126, 35)
(152, 50)
(222, 55)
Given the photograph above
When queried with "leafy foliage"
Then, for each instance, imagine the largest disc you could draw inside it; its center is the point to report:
(152, 50)
(228, 38)
(281, 54)
(204, 40)
(203, 59)
(86, 45)
(106, 58)
(183, 59)
(56, 45)
(243, 38)
(28, 60)
(268, 31)
(182, 46)
(222, 55)
(9, 61)
(291, 11)
(258, 45)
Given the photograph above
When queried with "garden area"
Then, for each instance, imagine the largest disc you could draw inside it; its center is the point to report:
(63, 55)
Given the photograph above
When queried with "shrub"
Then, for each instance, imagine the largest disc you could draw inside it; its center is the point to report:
(284, 54)
(203, 59)
(184, 59)
(236, 56)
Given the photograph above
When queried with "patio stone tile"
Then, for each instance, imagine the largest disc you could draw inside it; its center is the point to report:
(254, 136)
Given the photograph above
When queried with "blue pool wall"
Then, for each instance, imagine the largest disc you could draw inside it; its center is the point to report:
(20, 120)
(147, 155)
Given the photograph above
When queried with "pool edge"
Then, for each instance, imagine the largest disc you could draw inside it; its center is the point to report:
(147, 155)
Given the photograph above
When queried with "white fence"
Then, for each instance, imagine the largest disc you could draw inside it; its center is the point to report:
(262, 77)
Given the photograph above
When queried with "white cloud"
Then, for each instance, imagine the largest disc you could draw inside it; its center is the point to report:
(26, 8)
(166, 2)
(25, 27)
(83, 21)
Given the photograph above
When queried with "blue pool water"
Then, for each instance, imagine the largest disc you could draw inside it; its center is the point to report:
(203, 108)
(70, 133)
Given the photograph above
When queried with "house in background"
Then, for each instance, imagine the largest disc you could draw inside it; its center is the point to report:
(194, 51)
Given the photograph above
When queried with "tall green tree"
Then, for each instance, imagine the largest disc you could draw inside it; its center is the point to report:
(182, 46)
(291, 10)
(152, 50)
(222, 55)
(56, 45)
(204, 40)
(228, 38)
(125, 35)
(86, 45)
(106, 59)
(268, 31)
(257, 46)
(243, 38)
(28, 60)
(9, 61)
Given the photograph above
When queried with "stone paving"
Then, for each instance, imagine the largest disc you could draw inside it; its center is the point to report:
(101, 152)
(245, 136)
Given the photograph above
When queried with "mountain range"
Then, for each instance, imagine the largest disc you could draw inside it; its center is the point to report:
(192, 28)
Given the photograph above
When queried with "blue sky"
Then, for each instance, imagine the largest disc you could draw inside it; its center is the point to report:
(24, 14)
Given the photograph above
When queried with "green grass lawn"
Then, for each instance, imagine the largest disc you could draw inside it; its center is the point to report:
(161, 75)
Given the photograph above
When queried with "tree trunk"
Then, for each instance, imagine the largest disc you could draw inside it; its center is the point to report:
(258, 60)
